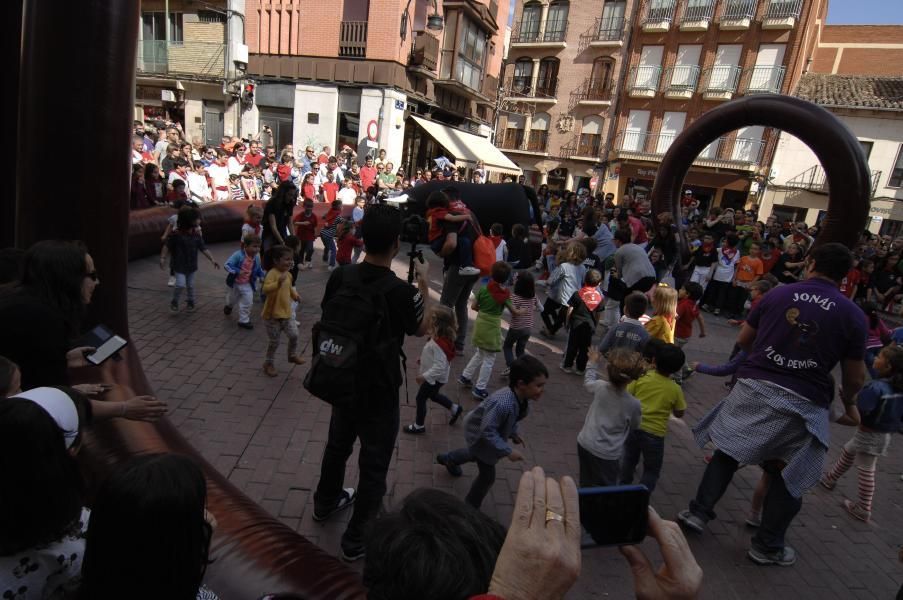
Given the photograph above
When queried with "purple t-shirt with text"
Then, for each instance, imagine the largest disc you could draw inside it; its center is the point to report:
(802, 331)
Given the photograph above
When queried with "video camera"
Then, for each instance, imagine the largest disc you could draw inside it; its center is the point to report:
(414, 230)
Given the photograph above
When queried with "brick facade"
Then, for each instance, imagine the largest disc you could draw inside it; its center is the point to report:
(860, 50)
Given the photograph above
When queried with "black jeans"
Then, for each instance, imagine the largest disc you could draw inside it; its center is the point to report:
(455, 294)
(485, 475)
(716, 294)
(579, 340)
(429, 391)
(778, 509)
(595, 471)
(515, 344)
(652, 449)
(307, 250)
(738, 297)
(553, 315)
(377, 433)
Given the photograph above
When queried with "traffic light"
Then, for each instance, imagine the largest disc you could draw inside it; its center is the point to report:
(247, 94)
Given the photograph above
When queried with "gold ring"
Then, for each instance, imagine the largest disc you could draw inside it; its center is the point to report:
(553, 516)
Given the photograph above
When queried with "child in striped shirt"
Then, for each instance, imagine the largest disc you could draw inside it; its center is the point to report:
(524, 299)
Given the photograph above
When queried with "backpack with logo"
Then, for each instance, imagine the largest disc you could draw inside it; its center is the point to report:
(356, 355)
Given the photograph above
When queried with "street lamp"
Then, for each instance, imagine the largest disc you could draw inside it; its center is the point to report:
(434, 22)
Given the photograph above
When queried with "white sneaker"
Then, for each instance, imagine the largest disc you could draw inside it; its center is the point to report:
(171, 282)
(466, 271)
(309, 266)
(332, 268)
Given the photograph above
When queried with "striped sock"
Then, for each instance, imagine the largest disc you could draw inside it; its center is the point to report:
(844, 462)
(866, 488)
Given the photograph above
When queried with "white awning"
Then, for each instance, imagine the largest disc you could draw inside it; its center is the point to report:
(468, 148)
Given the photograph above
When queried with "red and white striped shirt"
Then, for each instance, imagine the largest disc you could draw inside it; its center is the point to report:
(529, 306)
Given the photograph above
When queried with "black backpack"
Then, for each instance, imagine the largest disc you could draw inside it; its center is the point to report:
(356, 356)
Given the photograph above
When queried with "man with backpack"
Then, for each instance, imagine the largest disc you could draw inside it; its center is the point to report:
(357, 368)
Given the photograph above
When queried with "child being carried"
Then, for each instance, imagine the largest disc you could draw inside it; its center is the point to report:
(446, 216)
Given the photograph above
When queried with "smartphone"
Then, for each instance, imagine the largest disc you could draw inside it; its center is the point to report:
(614, 515)
(96, 337)
(108, 349)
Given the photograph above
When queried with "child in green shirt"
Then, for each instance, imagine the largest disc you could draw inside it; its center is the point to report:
(489, 302)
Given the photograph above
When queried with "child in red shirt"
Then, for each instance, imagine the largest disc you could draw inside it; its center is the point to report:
(346, 243)
(850, 281)
(329, 188)
(305, 224)
(441, 210)
(687, 312)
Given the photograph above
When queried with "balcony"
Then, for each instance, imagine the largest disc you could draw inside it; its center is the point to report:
(725, 152)
(353, 39)
(782, 14)
(737, 15)
(533, 34)
(659, 16)
(593, 93)
(516, 141)
(697, 15)
(814, 179)
(720, 82)
(461, 77)
(764, 80)
(644, 81)
(680, 81)
(201, 59)
(424, 55)
(607, 33)
(522, 89)
(586, 147)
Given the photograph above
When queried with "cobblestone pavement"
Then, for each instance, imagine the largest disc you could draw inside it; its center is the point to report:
(267, 435)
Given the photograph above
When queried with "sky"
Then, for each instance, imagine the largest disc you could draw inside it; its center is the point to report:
(865, 12)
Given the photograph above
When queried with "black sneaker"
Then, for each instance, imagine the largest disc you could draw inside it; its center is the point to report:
(785, 557)
(247, 325)
(347, 499)
(227, 310)
(173, 307)
(190, 306)
(352, 551)
(453, 469)
(414, 429)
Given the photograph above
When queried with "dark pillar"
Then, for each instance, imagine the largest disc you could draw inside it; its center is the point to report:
(12, 30)
(77, 91)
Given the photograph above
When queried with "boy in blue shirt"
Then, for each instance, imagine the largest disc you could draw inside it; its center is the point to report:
(489, 426)
(244, 271)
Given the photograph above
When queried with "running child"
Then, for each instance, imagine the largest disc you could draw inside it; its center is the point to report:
(880, 404)
(521, 325)
(346, 243)
(583, 316)
(687, 312)
(566, 279)
(327, 232)
(490, 301)
(490, 425)
(718, 289)
(253, 220)
(244, 271)
(277, 309)
(612, 417)
(629, 333)
(305, 224)
(435, 357)
(183, 246)
(660, 398)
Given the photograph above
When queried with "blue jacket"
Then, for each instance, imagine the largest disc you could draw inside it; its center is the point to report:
(233, 268)
(489, 426)
(881, 406)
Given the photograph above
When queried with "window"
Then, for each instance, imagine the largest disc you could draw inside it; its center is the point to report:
(557, 21)
(547, 82)
(523, 76)
(600, 80)
(514, 133)
(529, 27)
(471, 54)
(590, 137)
(896, 175)
(153, 28)
(867, 148)
(539, 133)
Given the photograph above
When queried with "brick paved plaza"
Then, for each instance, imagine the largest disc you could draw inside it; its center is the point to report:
(267, 435)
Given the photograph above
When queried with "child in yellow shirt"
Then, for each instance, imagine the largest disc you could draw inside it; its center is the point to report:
(277, 310)
(664, 305)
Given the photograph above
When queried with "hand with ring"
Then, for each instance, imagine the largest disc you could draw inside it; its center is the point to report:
(540, 559)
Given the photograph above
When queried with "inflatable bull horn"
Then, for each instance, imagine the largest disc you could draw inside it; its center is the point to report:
(833, 143)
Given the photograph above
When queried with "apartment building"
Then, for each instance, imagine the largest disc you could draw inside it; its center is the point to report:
(855, 74)
(560, 86)
(190, 57)
(689, 56)
(418, 78)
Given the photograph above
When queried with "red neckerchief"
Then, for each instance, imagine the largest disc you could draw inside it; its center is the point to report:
(498, 293)
(708, 247)
(496, 240)
(447, 345)
(729, 253)
(257, 228)
(591, 297)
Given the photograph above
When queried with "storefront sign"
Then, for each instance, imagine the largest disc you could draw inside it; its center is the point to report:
(646, 173)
